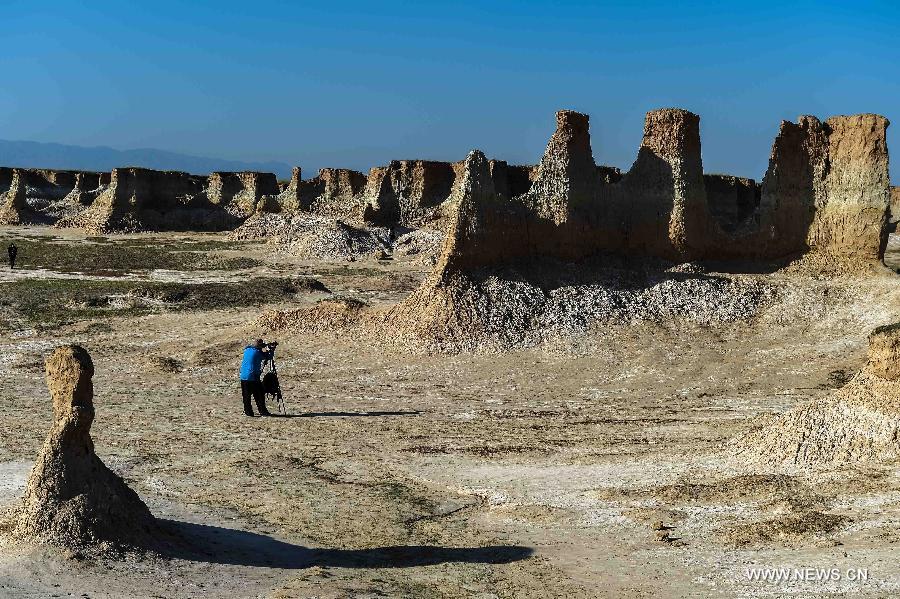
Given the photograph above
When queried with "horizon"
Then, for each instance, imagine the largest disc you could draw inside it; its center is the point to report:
(307, 87)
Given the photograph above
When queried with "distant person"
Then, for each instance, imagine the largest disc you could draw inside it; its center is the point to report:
(12, 250)
(255, 355)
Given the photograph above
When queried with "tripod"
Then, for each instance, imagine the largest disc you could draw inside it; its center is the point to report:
(272, 387)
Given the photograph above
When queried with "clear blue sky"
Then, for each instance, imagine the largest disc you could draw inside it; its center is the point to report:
(355, 84)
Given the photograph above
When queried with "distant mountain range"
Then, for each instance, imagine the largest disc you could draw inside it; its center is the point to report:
(33, 154)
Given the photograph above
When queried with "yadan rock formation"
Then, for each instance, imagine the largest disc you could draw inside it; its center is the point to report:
(73, 501)
(12, 197)
(288, 199)
(334, 192)
(139, 199)
(409, 192)
(240, 193)
(87, 186)
(858, 423)
(826, 190)
(43, 187)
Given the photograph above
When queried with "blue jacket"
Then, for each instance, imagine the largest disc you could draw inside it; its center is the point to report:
(251, 365)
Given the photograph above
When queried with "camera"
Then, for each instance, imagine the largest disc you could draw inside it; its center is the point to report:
(272, 344)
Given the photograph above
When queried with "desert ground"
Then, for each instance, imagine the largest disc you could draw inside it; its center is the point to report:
(600, 467)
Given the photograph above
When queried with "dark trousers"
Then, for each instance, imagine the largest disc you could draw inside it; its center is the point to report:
(253, 389)
(12, 260)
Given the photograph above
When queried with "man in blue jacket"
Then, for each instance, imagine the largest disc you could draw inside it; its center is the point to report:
(255, 355)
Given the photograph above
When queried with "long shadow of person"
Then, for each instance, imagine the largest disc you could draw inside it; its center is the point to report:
(217, 545)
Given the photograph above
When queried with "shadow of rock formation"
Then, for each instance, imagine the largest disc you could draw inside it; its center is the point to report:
(213, 544)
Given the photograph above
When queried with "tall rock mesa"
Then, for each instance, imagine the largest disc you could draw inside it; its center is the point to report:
(666, 212)
(482, 231)
(852, 218)
(566, 177)
(827, 188)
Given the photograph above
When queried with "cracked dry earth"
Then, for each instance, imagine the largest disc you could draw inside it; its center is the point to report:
(591, 473)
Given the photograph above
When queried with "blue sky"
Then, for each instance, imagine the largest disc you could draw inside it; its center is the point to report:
(357, 84)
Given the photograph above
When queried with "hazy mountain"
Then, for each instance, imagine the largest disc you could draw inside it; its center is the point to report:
(49, 155)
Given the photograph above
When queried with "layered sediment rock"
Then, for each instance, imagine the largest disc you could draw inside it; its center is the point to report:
(575, 208)
(851, 217)
(660, 204)
(884, 352)
(827, 189)
(566, 181)
(73, 501)
(87, 186)
(289, 198)
(409, 192)
(12, 198)
(240, 193)
(34, 195)
(483, 296)
(334, 192)
(139, 199)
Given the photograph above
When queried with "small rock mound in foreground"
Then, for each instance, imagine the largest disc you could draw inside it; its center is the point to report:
(857, 424)
(73, 501)
(325, 316)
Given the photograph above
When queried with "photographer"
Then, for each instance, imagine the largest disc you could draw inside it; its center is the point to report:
(255, 355)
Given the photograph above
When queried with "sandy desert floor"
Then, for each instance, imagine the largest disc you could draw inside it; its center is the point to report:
(601, 472)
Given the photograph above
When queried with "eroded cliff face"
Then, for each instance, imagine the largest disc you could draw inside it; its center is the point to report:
(566, 182)
(483, 227)
(140, 199)
(826, 190)
(35, 195)
(289, 198)
(334, 192)
(409, 192)
(574, 208)
(239, 193)
(851, 216)
(662, 199)
(87, 186)
(12, 197)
